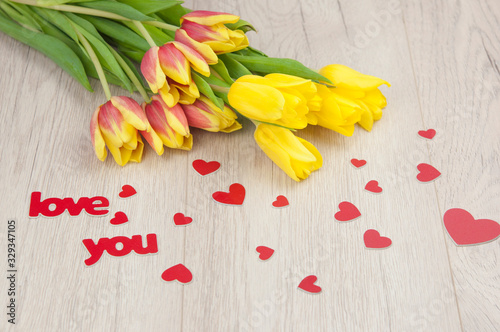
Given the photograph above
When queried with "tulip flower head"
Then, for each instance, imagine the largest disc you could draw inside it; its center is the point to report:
(204, 114)
(276, 98)
(354, 87)
(294, 155)
(115, 125)
(169, 126)
(208, 28)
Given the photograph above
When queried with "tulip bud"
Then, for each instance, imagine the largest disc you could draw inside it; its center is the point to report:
(204, 114)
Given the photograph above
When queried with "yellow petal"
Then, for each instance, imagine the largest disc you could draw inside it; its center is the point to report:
(96, 137)
(345, 77)
(256, 101)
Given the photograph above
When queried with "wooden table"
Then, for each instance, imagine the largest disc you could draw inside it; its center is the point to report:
(442, 59)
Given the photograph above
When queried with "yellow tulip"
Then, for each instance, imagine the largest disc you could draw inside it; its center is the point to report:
(276, 98)
(294, 155)
(358, 88)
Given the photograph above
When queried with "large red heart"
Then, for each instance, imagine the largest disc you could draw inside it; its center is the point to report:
(465, 230)
(177, 272)
(119, 218)
(307, 284)
(265, 252)
(281, 201)
(429, 134)
(127, 191)
(181, 220)
(235, 196)
(205, 168)
(373, 240)
(348, 212)
(427, 173)
(358, 163)
(373, 187)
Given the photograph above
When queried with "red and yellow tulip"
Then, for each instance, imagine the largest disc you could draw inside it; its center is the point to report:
(208, 28)
(115, 125)
(204, 114)
(169, 126)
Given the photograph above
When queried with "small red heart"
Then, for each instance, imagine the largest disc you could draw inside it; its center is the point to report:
(204, 168)
(373, 240)
(307, 284)
(181, 220)
(373, 187)
(465, 230)
(177, 272)
(281, 201)
(265, 252)
(127, 191)
(235, 196)
(429, 134)
(427, 173)
(348, 212)
(119, 218)
(358, 163)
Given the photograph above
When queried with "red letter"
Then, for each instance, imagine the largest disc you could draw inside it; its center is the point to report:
(97, 202)
(95, 250)
(152, 244)
(35, 203)
(125, 241)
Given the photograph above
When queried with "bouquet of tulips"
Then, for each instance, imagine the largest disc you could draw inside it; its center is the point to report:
(200, 72)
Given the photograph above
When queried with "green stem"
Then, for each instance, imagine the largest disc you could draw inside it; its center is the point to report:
(219, 88)
(131, 75)
(145, 33)
(162, 25)
(97, 64)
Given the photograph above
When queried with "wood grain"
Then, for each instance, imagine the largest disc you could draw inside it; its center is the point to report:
(442, 61)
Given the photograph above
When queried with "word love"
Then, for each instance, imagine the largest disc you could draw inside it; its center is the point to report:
(119, 246)
(53, 207)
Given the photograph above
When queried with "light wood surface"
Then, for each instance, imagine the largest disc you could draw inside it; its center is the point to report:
(442, 59)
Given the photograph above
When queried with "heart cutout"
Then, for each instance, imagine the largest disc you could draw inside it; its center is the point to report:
(429, 133)
(427, 173)
(265, 252)
(177, 272)
(358, 163)
(281, 201)
(373, 187)
(127, 191)
(307, 284)
(348, 212)
(465, 230)
(235, 196)
(119, 218)
(181, 220)
(204, 168)
(373, 240)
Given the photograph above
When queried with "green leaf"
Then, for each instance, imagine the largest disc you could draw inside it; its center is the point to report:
(173, 14)
(221, 69)
(118, 32)
(205, 89)
(118, 8)
(105, 56)
(150, 6)
(52, 47)
(159, 37)
(241, 25)
(235, 69)
(131, 53)
(21, 15)
(265, 65)
(57, 19)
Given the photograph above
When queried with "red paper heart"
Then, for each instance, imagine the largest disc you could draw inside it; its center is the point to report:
(373, 187)
(177, 272)
(358, 163)
(265, 252)
(429, 134)
(205, 168)
(307, 284)
(348, 212)
(427, 173)
(235, 196)
(281, 201)
(119, 218)
(373, 240)
(127, 191)
(465, 230)
(181, 220)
